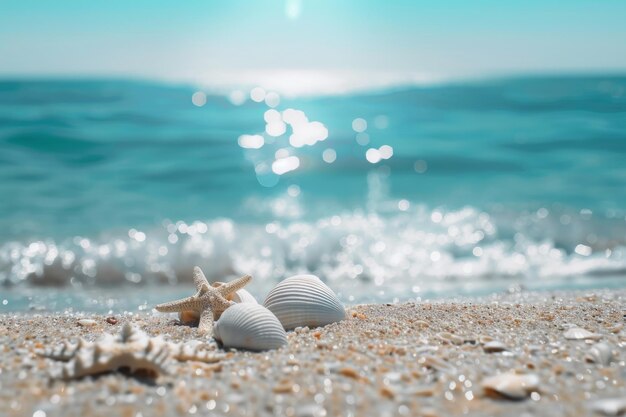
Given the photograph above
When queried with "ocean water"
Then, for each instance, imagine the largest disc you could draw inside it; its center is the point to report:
(111, 191)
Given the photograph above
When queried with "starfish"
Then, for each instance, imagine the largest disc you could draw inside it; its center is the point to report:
(209, 302)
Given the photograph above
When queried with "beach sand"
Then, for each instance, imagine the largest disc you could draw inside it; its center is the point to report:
(413, 359)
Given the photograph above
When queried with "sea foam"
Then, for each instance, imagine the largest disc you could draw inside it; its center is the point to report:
(363, 255)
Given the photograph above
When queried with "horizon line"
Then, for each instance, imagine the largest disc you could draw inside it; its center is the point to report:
(328, 84)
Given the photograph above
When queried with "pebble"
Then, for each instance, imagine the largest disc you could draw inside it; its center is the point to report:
(87, 322)
(494, 346)
(577, 333)
(450, 338)
(349, 372)
(510, 385)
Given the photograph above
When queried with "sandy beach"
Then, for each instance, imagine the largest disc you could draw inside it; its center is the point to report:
(426, 359)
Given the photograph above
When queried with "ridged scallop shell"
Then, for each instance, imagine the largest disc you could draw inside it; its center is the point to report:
(249, 326)
(240, 296)
(304, 300)
(510, 385)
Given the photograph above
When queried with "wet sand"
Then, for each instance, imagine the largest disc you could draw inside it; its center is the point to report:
(424, 359)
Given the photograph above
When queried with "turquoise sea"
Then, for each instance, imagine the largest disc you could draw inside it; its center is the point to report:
(111, 191)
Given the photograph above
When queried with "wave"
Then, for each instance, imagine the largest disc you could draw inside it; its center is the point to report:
(363, 255)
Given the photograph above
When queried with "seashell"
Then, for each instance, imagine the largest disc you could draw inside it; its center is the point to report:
(494, 346)
(577, 333)
(610, 406)
(87, 322)
(599, 353)
(240, 296)
(188, 317)
(304, 300)
(510, 385)
(249, 326)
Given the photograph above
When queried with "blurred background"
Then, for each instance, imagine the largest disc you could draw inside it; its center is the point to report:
(399, 150)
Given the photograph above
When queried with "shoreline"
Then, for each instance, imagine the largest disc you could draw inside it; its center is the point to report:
(428, 358)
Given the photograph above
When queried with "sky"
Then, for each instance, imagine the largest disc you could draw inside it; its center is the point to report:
(309, 44)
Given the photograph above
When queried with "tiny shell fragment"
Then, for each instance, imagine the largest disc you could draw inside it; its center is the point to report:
(577, 333)
(494, 346)
(510, 385)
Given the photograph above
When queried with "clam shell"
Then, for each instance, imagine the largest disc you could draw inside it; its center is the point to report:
(304, 300)
(249, 326)
(510, 385)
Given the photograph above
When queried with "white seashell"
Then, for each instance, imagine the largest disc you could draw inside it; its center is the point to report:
(577, 333)
(304, 300)
(249, 326)
(87, 322)
(599, 353)
(510, 385)
(494, 346)
(610, 406)
(244, 296)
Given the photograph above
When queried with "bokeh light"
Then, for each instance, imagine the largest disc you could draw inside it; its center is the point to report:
(251, 141)
(359, 125)
(329, 155)
(198, 98)
(283, 165)
(257, 94)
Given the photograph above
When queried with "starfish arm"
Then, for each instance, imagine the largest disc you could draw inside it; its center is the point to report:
(231, 287)
(206, 322)
(184, 304)
(199, 279)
